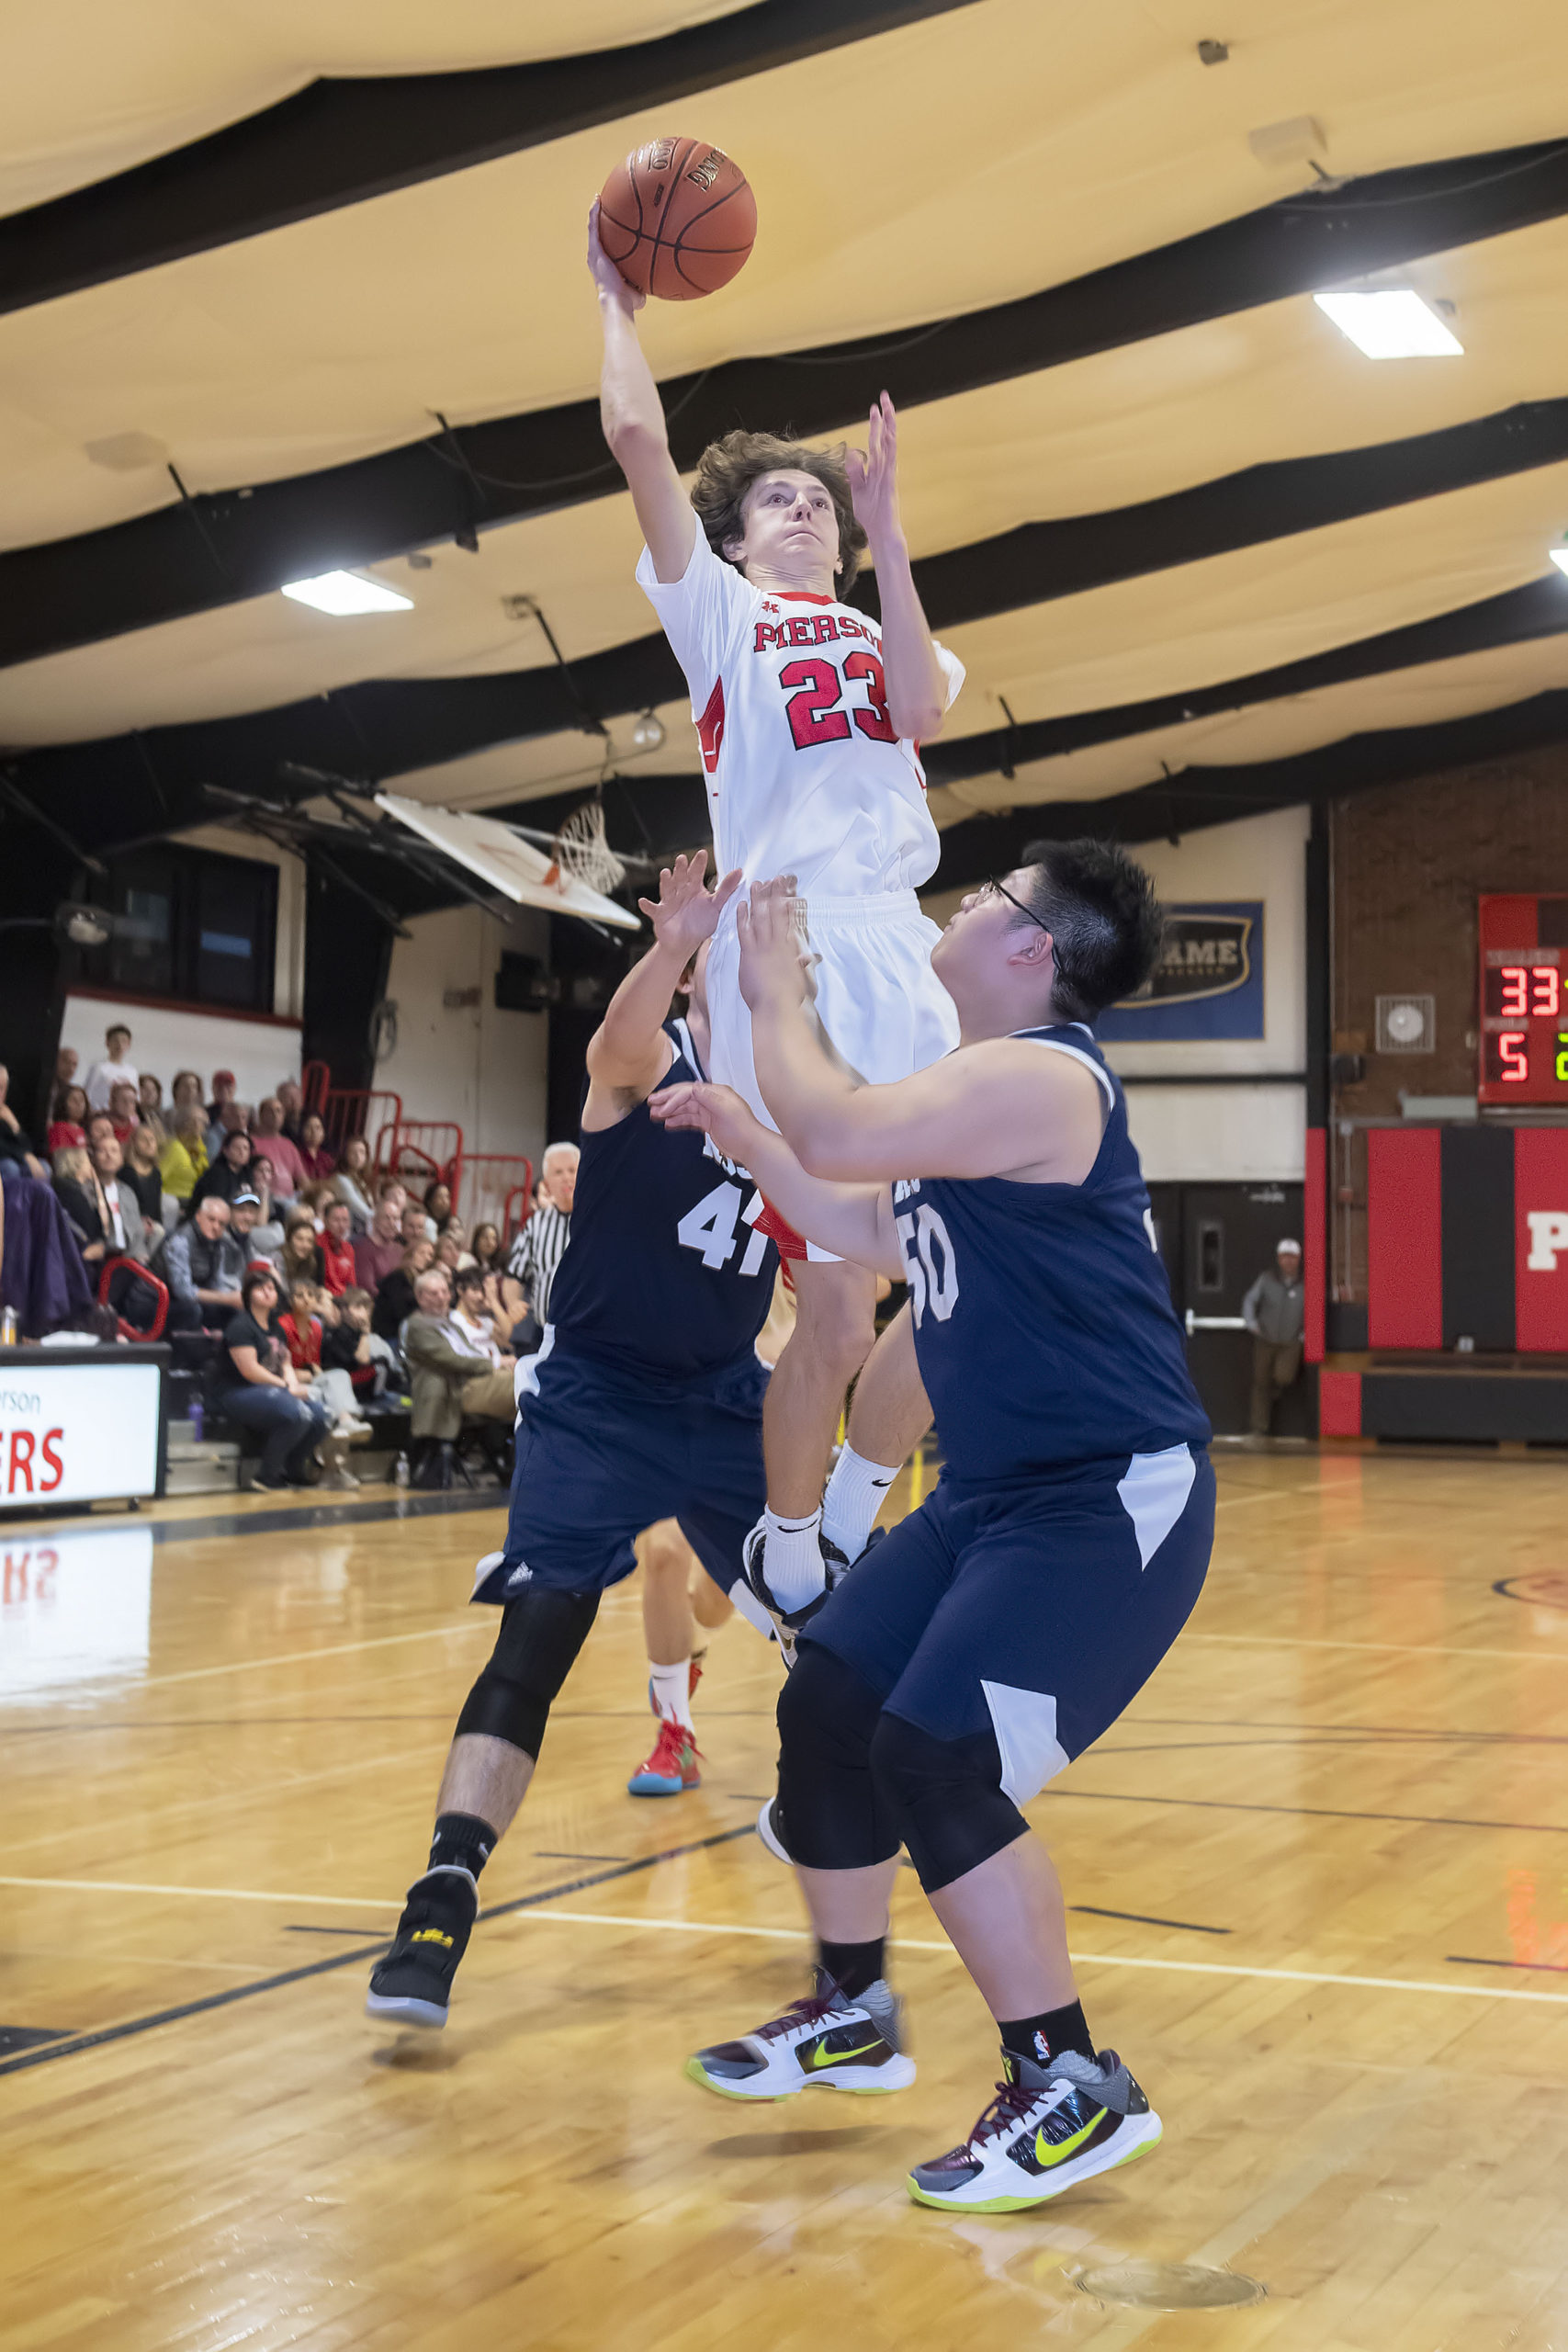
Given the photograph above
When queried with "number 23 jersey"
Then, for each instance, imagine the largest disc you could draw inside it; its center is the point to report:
(804, 773)
(666, 1276)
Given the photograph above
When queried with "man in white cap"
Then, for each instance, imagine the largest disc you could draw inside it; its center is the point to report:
(1274, 1311)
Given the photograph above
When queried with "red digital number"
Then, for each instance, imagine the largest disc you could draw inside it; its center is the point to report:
(1513, 1057)
(1544, 990)
(814, 713)
(873, 721)
(1516, 991)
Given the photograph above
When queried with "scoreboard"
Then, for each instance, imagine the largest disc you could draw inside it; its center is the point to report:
(1523, 1000)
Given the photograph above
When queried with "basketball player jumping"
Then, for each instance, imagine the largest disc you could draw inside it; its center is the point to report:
(1004, 1625)
(644, 1402)
(810, 716)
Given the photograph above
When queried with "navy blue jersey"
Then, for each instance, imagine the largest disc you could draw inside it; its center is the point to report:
(666, 1273)
(1043, 1317)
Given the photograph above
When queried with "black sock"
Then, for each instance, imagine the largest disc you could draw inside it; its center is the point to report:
(853, 1968)
(1047, 2035)
(461, 1839)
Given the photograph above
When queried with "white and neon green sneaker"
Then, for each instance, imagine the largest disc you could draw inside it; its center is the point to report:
(1047, 2129)
(847, 2045)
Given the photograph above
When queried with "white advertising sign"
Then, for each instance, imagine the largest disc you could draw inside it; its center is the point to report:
(74, 1432)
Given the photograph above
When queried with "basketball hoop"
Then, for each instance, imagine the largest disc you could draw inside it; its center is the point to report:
(581, 852)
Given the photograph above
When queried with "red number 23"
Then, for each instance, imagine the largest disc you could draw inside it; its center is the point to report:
(815, 712)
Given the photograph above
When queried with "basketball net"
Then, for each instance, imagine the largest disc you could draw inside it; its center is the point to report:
(581, 852)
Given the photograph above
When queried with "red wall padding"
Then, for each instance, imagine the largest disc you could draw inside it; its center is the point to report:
(1405, 1238)
(1541, 1189)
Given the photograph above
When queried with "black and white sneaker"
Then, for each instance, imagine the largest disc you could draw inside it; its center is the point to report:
(412, 1982)
(1047, 2129)
(787, 1623)
(850, 2045)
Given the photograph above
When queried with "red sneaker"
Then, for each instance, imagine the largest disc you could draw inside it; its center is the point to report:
(672, 1766)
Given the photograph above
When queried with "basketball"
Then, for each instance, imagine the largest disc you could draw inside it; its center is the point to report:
(678, 219)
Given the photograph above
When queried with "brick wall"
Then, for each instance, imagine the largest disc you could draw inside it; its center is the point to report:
(1409, 863)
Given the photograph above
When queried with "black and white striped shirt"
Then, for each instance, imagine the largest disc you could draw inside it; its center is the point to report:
(535, 1254)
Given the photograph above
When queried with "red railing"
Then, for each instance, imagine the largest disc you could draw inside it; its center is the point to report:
(491, 1181)
(159, 1302)
(350, 1111)
(431, 1148)
(518, 1205)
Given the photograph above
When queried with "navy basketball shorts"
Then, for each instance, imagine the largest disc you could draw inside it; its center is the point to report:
(603, 1452)
(1035, 1614)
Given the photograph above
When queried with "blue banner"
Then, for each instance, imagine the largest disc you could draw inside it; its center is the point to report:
(1208, 983)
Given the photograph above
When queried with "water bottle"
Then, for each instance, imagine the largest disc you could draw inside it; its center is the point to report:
(196, 1413)
(400, 1475)
(7, 1326)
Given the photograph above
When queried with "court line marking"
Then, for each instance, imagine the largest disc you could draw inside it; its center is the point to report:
(1394, 1649)
(393, 1903)
(1082, 1959)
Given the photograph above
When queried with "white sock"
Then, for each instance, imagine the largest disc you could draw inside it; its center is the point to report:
(673, 1689)
(853, 1498)
(792, 1559)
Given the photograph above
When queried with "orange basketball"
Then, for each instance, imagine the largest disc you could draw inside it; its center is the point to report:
(677, 219)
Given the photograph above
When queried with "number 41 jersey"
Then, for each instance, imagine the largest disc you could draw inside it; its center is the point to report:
(804, 773)
(666, 1275)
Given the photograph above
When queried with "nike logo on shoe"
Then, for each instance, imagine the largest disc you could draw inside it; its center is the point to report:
(823, 2056)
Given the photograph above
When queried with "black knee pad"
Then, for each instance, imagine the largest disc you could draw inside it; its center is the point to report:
(946, 1796)
(834, 1819)
(541, 1633)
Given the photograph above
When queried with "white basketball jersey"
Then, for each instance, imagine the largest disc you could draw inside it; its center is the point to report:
(804, 773)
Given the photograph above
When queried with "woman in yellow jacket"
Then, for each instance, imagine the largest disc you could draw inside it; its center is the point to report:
(184, 1158)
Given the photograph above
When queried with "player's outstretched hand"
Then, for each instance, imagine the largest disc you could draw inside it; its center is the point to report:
(772, 944)
(873, 479)
(684, 914)
(716, 1111)
(602, 270)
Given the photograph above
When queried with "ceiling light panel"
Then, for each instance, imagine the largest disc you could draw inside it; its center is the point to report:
(347, 592)
(1391, 322)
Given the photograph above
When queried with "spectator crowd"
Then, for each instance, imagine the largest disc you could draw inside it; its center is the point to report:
(337, 1293)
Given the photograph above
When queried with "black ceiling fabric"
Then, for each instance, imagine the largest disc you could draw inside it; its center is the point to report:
(343, 142)
(227, 545)
(1199, 796)
(122, 787)
(383, 727)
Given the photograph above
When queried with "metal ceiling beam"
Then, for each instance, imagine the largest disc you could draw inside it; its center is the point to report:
(219, 549)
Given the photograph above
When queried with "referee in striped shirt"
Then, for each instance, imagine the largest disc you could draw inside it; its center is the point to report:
(541, 1245)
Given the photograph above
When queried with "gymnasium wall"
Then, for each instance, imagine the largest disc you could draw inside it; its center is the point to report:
(456, 1058)
(1409, 862)
(260, 1048)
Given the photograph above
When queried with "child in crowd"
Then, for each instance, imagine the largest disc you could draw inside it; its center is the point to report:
(302, 1327)
(349, 1345)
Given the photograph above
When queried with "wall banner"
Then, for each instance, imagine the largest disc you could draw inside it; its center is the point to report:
(1208, 983)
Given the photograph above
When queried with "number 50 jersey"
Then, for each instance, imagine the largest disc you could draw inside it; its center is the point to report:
(666, 1275)
(804, 773)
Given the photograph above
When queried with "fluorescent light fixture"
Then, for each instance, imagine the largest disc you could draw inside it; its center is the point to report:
(1558, 557)
(1391, 322)
(347, 592)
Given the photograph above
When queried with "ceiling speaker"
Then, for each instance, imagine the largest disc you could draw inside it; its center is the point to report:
(1407, 1025)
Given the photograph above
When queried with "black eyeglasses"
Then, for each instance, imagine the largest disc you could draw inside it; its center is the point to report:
(1000, 887)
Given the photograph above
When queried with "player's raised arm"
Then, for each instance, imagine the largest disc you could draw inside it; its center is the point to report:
(916, 684)
(628, 1052)
(633, 418)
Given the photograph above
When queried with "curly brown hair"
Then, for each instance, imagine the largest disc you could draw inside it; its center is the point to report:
(728, 467)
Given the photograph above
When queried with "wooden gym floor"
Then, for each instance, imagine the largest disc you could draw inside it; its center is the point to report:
(1320, 1880)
